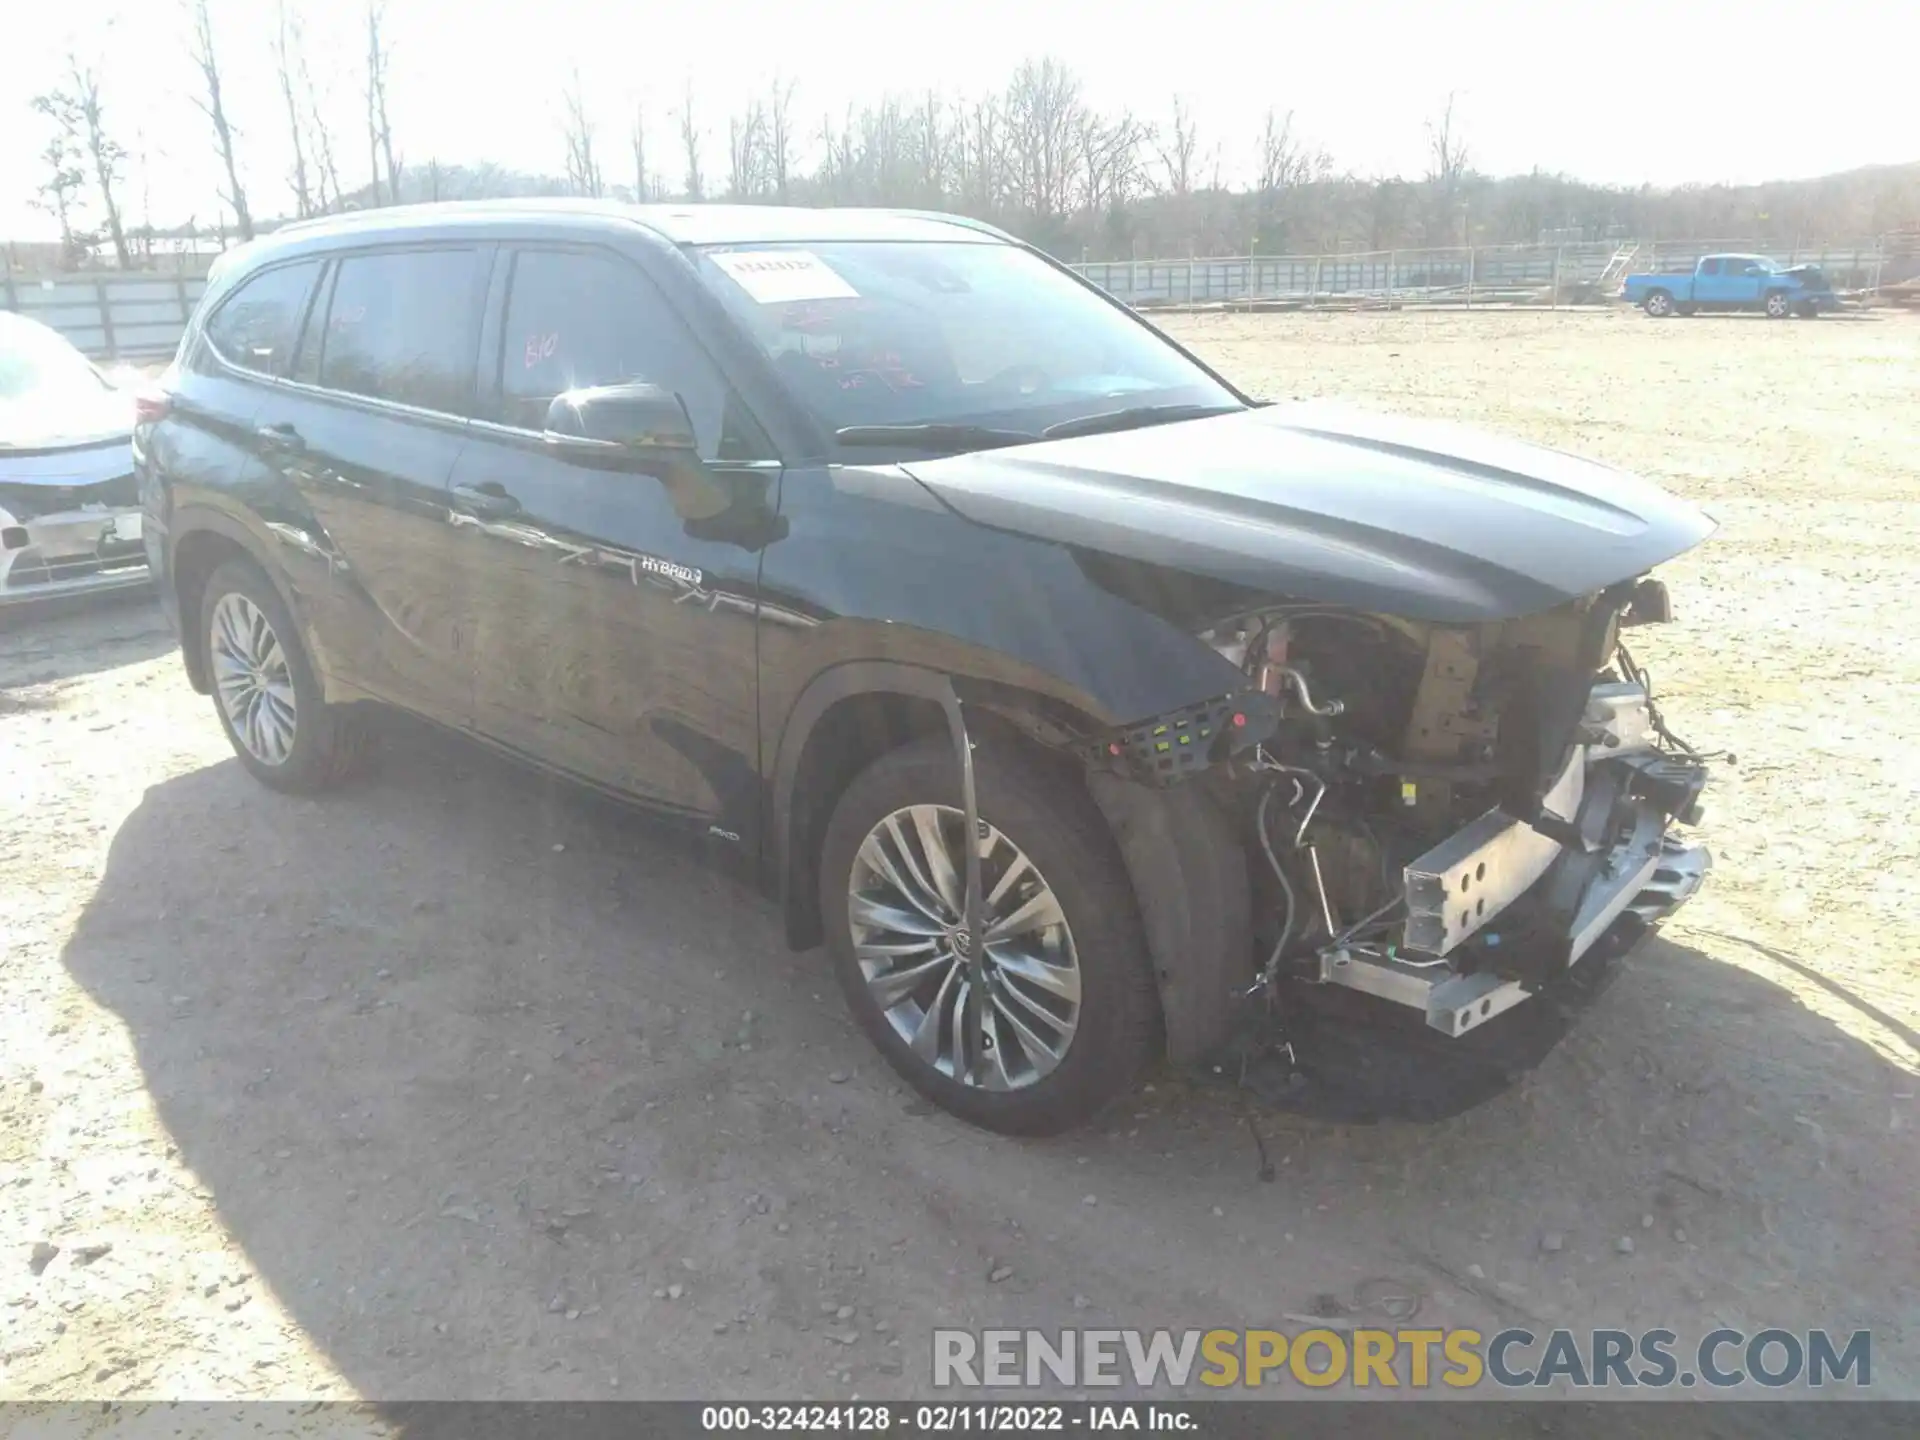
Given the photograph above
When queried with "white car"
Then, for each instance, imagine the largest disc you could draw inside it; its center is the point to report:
(69, 511)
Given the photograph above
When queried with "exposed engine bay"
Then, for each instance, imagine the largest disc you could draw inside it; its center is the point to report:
(1445, 818)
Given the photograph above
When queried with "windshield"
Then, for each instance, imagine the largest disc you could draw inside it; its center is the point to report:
(35, 360)
(886, 333)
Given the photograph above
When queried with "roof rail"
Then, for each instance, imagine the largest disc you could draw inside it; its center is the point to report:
(965, 222)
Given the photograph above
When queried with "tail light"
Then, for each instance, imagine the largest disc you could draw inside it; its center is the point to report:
(151, 404)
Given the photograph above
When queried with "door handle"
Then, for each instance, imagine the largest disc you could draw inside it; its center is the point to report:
(489, 497)
(282, 436)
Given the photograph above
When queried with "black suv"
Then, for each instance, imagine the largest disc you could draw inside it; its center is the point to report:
(1086, 709)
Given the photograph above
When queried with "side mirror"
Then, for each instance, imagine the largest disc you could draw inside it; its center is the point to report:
(638, 427)
(638, 420)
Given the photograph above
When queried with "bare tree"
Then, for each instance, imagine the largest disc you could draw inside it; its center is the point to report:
(746, 136)
(326, 172)
(983, 158)
(58, 194)
(1447, 153)
(287, 47)
(1287, 161)
(831, 175)
(1109, 162)
(1446, 168)
(583, 172)
(779, 144)
(144, 170)
(1180, 151)
(77, 113)
(642, 182)
(213, 106)
(1043, 112)
(933, 141)
(1286, 164)
(379, 129)
(690, 141)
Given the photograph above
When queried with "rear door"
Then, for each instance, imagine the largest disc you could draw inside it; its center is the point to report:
(1709, 283)
(611, 637)
(366, 432)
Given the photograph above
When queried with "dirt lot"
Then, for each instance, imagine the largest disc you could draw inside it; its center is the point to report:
(464, 1085)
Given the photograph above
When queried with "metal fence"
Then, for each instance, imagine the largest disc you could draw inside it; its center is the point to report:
(1513, 274)
(110, 317)
(141, 315)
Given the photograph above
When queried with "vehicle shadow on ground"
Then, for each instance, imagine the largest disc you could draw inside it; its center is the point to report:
(507, 1095)
(51, 641)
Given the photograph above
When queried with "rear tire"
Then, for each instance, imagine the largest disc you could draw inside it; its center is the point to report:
(1044, 832)
(265, 692)
(1658, 304)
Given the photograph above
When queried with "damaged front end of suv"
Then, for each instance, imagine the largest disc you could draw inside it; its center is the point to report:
(1379, 867)
(1445, 822)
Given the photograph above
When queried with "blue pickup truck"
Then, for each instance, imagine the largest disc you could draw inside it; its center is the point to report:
(1734, 282)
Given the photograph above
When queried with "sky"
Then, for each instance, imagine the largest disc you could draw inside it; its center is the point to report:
(1629, 92)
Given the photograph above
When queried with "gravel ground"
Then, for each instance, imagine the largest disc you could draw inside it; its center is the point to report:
(461, 1084)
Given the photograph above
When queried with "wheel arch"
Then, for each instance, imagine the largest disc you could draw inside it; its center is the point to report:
(852, 713)
(203, 541)
(1187, 868)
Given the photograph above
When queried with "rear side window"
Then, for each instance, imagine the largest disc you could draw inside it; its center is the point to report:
(401, 327)
(576, 319)
(257, 326)
(1709, 267)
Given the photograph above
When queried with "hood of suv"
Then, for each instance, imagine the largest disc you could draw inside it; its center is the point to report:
(1419, 519)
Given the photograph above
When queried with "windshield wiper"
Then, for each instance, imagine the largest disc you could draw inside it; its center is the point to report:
(933, 436)
(1131, 418)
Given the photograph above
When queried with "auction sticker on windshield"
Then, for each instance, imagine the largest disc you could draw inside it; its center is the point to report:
(774, 277)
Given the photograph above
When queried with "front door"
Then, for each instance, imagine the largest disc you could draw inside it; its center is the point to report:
(1746, 280)
(611, 637)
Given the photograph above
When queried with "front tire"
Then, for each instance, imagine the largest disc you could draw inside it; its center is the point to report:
(1778, 306)
(1072, 1017)
(264, 689)
(1658, 304)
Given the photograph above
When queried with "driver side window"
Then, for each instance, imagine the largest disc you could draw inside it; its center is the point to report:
(574, 320)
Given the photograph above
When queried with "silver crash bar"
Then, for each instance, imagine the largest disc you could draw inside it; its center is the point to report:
(1464, 883)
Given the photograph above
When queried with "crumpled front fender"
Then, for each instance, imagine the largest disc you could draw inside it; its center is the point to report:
(1189, 875)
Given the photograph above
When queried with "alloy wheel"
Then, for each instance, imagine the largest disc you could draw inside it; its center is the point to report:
(907, 899)
(251, 676)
